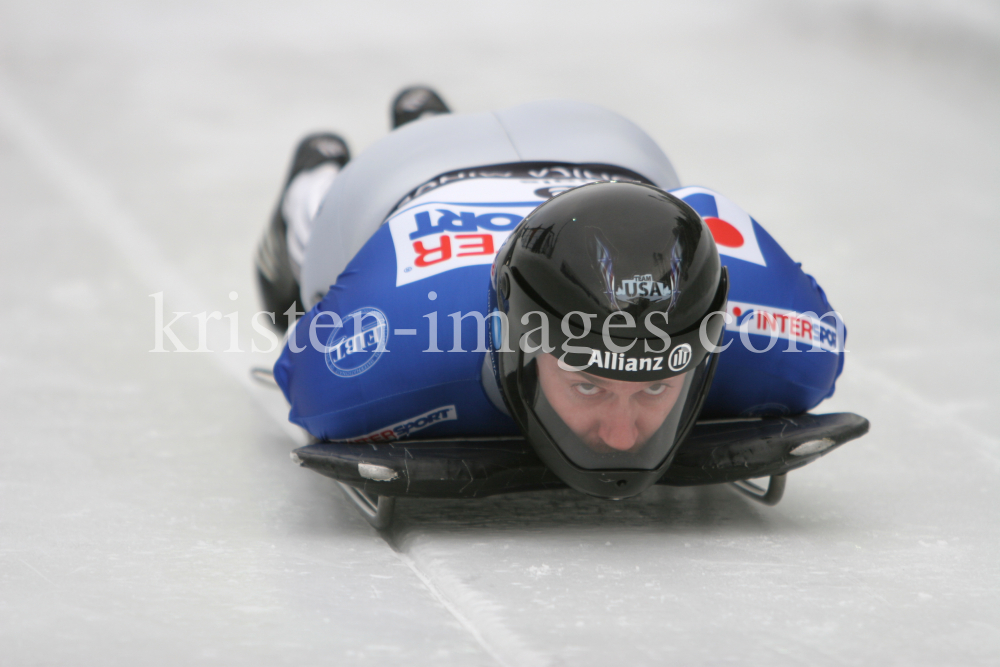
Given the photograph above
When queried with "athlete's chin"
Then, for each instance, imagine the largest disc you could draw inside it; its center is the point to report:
(601, 447)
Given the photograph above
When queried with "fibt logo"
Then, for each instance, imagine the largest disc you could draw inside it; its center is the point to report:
(643, 287)
(358, 343)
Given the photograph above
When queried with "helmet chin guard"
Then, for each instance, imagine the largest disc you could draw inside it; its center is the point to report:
(602, 335)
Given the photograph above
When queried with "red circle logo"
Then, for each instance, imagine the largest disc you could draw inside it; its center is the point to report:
(724, 233)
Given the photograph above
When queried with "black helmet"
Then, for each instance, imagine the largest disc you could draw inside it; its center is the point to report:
(601, 333)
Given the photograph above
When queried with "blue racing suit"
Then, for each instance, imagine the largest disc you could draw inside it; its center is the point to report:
(396, 346)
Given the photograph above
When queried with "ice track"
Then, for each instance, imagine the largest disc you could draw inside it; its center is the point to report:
(148, 510)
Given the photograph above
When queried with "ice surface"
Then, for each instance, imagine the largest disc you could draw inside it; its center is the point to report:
(148, 510)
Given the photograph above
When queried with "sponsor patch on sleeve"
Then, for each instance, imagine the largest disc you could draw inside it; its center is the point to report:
(464, 222)
(437, 237)
(409, 426)
(805, 329)
(731, 227)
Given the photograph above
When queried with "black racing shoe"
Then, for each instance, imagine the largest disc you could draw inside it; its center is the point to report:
(416, 102)
(279, 288)
(316, 149)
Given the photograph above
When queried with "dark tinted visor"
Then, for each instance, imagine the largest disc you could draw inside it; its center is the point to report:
(602, 423)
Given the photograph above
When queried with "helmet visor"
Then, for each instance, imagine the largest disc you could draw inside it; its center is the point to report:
(609, 424)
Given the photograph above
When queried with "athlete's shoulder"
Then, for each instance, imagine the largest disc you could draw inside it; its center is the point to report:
(758, 266)
(736, 234)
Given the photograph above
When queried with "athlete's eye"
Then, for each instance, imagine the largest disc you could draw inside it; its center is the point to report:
(586, 388)
(655, 389)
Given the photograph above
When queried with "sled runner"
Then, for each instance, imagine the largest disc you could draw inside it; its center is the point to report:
(725, 451)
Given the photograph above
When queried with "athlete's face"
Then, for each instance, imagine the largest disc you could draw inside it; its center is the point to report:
(608, 415)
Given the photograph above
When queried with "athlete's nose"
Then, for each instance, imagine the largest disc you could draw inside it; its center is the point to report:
(617, 428)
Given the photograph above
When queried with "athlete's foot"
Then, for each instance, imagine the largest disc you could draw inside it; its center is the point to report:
(316, 149)
(414, 103)
(317, 160)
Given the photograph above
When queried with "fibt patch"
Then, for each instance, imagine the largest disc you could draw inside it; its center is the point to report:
(358, 343)
(804, 328)
(462, 223)
(731, 227)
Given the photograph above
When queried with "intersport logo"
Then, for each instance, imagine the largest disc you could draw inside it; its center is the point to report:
(433, 238)
(409, 426)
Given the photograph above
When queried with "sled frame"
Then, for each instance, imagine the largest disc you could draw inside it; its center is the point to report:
(770, 496)
(376, 510)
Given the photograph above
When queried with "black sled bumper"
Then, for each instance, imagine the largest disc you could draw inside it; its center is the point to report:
(715, 452)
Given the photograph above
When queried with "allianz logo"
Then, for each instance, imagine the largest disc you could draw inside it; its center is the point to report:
(677, 360)
(643, 287)
(616, 361)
